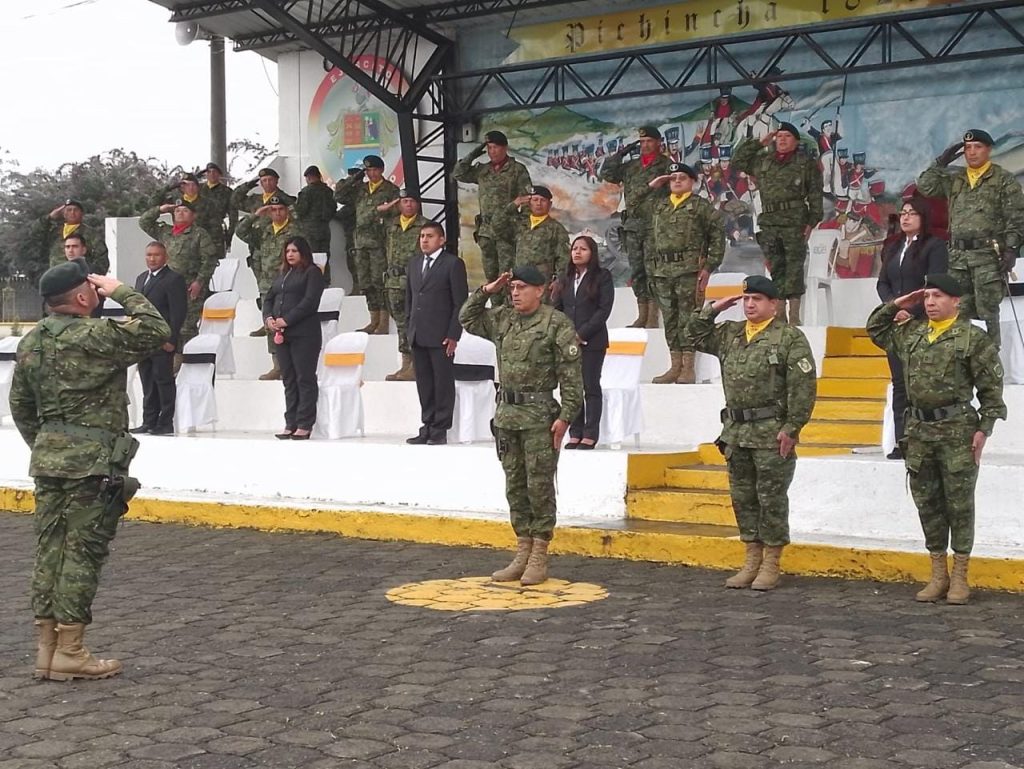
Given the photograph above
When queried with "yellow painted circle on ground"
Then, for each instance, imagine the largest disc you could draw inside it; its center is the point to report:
(484, 594)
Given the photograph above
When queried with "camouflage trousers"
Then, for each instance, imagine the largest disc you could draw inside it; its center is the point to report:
(370, 266)
(785, 250)
(638, 245)
(979, 275)
(943, 476)
(193, 314)
(529, 461)
(677, 298)
(73, 534)
(396, 306)
(759, 486)
(497, 256)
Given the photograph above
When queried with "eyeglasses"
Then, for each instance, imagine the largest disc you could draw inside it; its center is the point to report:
(909, 212)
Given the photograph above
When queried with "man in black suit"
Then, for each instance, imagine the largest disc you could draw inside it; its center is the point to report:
(166, 289)
(435, 290)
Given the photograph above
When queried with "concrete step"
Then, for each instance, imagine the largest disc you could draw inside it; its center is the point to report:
(856, 367)
(703, 477)
(845, 387)
(842, 433)
(680, 506)
(848, 409)
(849, 341)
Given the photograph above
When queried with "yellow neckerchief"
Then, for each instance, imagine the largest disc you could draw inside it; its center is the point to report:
(281, 226)
(211, 185)
(267, 196)
(69, 228)
(753, 329)
(937, 328)
(537, 221)
(974, 174)
(190, 198)
(406, 221)
(678, 200)
(374, 185)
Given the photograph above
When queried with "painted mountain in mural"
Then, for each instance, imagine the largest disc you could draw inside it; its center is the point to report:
(533, 131)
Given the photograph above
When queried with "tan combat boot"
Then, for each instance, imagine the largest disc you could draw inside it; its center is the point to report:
(780, 311)
(383, 323)
(652, 313)
(939, 583)
(670, 376)
(274, 374)
(405, 373)
(72, 660)
(745, 576)
(515, 569)
(370, 327)
(46, 631)
(768, 575)
(261, 331)
(794, 311)
(687, 373)
(537, 566)
(641, 315)
(959, 591)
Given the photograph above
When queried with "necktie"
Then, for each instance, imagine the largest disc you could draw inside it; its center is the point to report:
(149, 278)
(426, 263)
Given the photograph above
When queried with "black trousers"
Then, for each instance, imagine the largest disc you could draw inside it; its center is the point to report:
(587, 423)
(899, 395)
(435, 383)
(158, 391)
(297, 359)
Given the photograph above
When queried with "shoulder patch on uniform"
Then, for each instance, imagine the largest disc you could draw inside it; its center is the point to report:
(804, 365)
(573, 350)
(998, 370)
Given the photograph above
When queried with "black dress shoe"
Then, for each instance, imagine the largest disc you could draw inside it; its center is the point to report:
(285, 436)
(441, 441)
(571, 445)
(417, 440)
(586, 447)
(141, 430)
(896, 453)
(301, 436)
(162, 430)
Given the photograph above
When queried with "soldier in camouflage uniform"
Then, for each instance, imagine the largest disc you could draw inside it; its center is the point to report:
(69, 402)
(66, 219)
(266, 231)
(403, 238)
(790, 183)
(640, 198)
(537, 352)
(946, 360)
(191, 252)
(688, 244)
(770, 386)
(986, 224)
(370, 237)
(347, 218)
(314, 210)
(216, 198)
(539, 238)
(499, 182)
(187, 189)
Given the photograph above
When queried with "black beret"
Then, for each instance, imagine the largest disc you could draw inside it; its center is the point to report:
(211, 166)
(189, 178)
(185, 204)
(947, 284)
(529, 274)
(544, 192)
(64, 277)
(977, 135)
(268, 172)
(496, 137)
(758, 284)
(312, 171)
(408, 192)
(648, 132)
(373, 161)
(73, 202)
(682, 168)
(790, 129)
(276, 200)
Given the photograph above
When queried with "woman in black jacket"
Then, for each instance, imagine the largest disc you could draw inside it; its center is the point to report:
(906, 259)
(290, 312)
(585, 293)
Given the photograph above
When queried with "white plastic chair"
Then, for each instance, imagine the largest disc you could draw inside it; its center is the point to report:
(720, 285)
(194, 403)
(8, 357)
(224, 276)
(339, 409)
(822, 248)
(329, 311)
(475, 359)
(622, 414)
(218, 319)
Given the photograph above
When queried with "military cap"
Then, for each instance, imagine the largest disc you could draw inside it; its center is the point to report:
(544, 192)
(408, 192)
(758, 284)
(843, 153)
(276, 200)
(947, 284)
(211, 166)
(184, 203)
(496, 137)
(682, 168)
(724, 92)
(64, 277)
(790, 129)
(312, 171)
(189, 178)
(73, 202)
(977, 135)
(373, 161)
(860, 158)
(648, 132)
(529, 274)
(268, 172)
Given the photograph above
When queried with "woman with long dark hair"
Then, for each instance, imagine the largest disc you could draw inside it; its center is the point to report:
(586, 293)
(290, 313)
(907, 257)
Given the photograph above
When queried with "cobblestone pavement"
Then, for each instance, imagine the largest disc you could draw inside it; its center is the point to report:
(248, 649)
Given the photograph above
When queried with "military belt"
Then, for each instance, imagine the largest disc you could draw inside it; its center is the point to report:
(786, 205)
(523, 398)
(750, 415)
(940, 413)
(972, 244)
(98, 434)
(395, 272)
(669, 256)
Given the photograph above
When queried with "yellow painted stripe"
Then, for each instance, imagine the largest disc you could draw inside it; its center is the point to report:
(721, 292)
(706, 507)
(344, 359)
(627, 348)
(218, 313)
(711, 477)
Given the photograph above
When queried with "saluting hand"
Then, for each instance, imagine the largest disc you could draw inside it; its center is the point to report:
(166, 208)
(498, 284)
(907, 301)
(768, 139)
(724, 304)
(105, 284)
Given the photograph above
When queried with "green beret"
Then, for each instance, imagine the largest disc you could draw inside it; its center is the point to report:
(947, 284)
(190, 178)
(63, 277)
(408, 192)
(313, 171)
(544, 192)
(373, 161)
(268, 172)
(648, 132)
(211, 166)
(682, 168)
(977, 135)
(529, 274)
(276, 200)
(185, 204)
(759, 284)
(790, 129)
(496, 137)
(73, 202)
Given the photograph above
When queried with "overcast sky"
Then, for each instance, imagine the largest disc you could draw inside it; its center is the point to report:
(85, 76)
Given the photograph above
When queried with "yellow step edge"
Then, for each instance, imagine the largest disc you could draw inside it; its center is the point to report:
(848, 409)
(710, 455)
(649, 469)
(705, 507)
(845, 387)
(852, 433)
(712, 477)
(856, 368)
(856, 346)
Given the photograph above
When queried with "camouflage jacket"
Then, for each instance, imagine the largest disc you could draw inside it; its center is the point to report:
(241, 200)
(193, 253)
(403, 245)
(315, 208)
(945, 372)
(496, 188)
(545, 246)
(640, 198)
(217, 205)
(353, 191)
(693, 229)
(791, 194)
(72, 369)
(268, 246)
(993, 210)
(536, 354)
(96, 245)
(774, 369)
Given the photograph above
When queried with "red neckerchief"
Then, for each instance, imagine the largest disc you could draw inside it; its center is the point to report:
(646, 160)
(499, 166)
(177, 229)
(783, 157)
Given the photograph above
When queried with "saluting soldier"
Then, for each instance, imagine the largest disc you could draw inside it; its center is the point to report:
(403, 239)
(539, 238)
(187, 189)
(769, 381)
(314, 210)
(537, 352)
(688, 244)
(66, 219)
(499, 181)
(946, 362)
(791, 206)
(640, 198)
(217, 198)
(269, 182)
(370, 237)
(986, 223)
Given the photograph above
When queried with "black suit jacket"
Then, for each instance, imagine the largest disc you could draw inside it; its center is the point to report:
(589, 316)
(295, 296)
(895, 279)
(168, 293)
(433, 300)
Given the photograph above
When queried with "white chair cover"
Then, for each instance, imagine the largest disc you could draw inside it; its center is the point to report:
(822, 248)
(622, 415)
(329, 311)
(225, 274)
(720, 285)
(218, 319)
(339, 409)
(8, 349)
(474, 397)
(195, 404)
